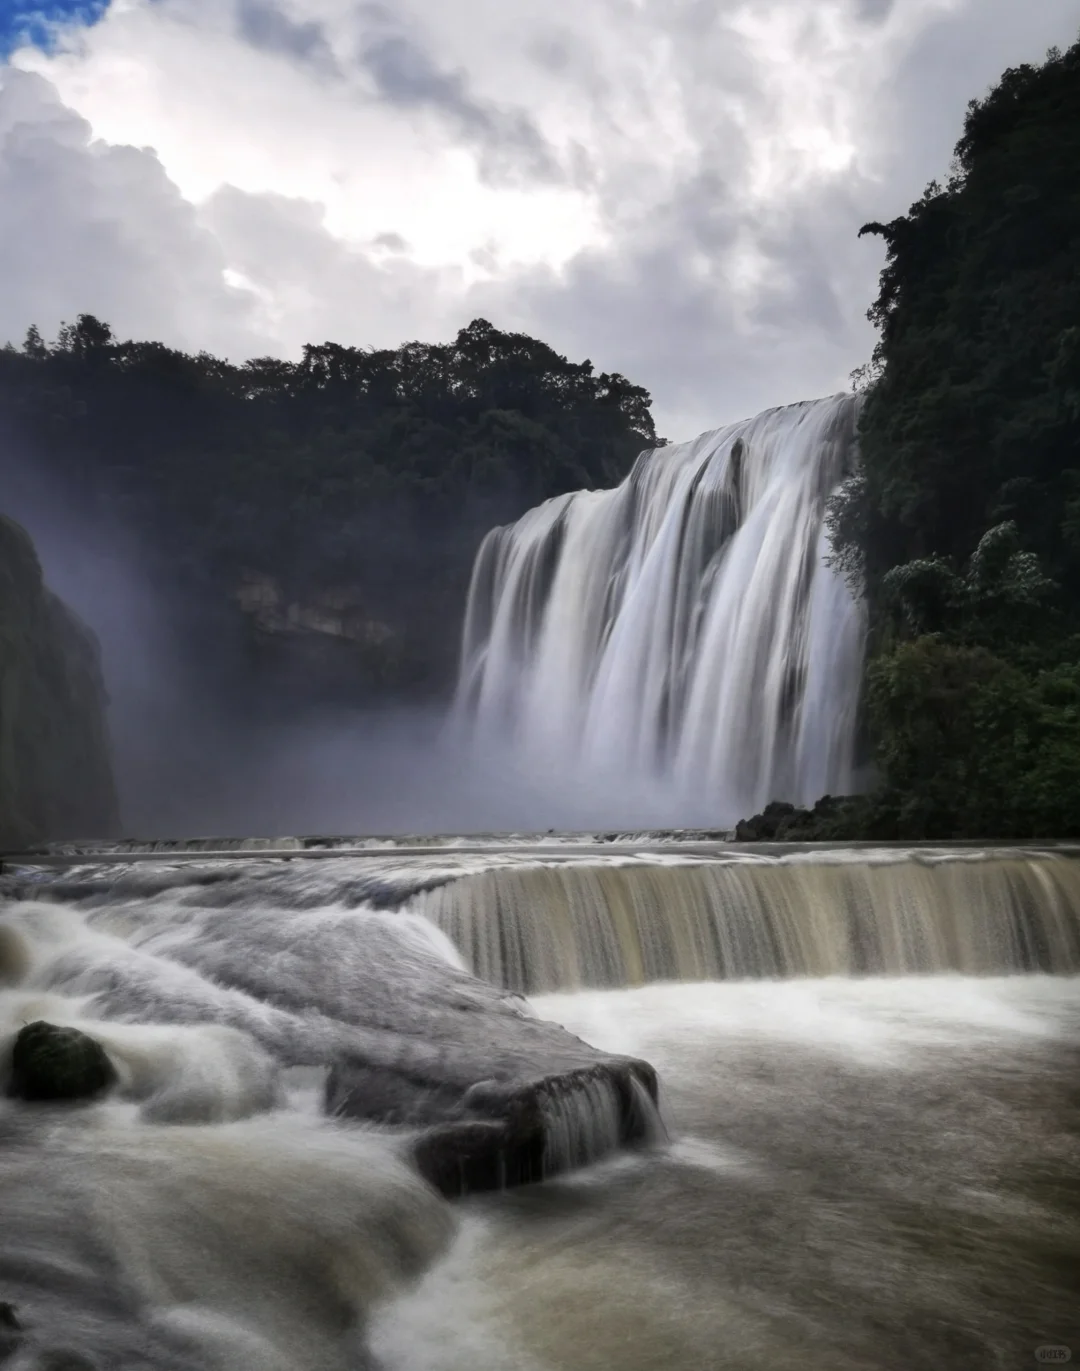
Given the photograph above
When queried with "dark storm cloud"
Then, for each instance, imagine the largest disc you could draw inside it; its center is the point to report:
(266, 27)
(875, 11)
(510, 146)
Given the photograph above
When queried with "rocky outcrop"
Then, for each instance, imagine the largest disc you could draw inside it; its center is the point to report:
(50, 1062)
(514, 1103)
(834, 818)
(327, 641)
(55, 769)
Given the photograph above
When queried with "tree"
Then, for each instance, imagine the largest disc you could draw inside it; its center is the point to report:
(379, 470)
(962, 524)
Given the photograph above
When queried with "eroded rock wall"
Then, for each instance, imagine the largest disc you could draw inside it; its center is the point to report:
(56, 777)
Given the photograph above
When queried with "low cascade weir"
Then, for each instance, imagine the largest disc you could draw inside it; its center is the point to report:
(680, 643)
(549, 927)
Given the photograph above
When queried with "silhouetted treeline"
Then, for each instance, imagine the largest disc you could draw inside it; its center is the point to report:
(366, 476)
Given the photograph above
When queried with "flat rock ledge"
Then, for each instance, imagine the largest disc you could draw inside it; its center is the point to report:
(560, 1105)
(485, 1094)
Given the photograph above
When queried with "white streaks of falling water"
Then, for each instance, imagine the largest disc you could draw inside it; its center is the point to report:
(682, 635)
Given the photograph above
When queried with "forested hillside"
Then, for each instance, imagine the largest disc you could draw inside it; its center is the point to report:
(963, 525)
(325, 511)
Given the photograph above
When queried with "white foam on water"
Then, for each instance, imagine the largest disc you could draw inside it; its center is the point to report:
(878, 1021)
(205, 1218)
(205, 1073)
(284, 1231)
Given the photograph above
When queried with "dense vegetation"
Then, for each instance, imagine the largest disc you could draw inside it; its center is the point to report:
(962, 526)
(353, 476)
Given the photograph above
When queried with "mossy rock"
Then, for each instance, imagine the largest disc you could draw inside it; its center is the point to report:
(834, 818)
(51, 1063)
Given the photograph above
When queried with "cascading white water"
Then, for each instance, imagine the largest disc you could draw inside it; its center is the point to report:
(680, 642)
(542, 927)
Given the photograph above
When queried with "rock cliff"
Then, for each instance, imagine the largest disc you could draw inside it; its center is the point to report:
(56, 776)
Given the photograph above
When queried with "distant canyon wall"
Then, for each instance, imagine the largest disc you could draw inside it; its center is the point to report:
(331, 642)
(56, 778)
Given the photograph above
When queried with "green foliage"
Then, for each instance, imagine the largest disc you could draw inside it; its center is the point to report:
(974, 746)
(962, 525)
(972, 408)
(380, 470)
(993, 601)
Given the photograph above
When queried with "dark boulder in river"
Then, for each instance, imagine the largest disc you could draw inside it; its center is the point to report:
(52, 1063)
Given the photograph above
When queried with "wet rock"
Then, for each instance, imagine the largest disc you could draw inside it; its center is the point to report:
(410, 1039)
(64, 1359)
(52, 1063)
(834, 818)
(11, 1330)
(506, 1113)
(763, 827)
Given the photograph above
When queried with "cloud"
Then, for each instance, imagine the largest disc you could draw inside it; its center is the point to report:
(269, 29)
(511, 146)
(89, 226)
(670, 188)
(310, 286)
(875, 11)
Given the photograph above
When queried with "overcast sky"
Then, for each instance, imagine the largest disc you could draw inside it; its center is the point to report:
(670, 187)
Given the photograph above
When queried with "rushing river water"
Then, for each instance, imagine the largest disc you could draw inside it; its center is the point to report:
(870, 1072)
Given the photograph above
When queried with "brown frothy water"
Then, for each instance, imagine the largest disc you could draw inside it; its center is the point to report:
(865, 1174)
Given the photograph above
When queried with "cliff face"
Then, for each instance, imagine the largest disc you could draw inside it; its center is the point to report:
(328, 644)
(56, 776)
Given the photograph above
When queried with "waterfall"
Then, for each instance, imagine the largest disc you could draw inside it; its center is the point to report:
(681, 639)
(537, 928)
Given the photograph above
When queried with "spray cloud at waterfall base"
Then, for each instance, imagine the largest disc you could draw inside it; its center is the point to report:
(677, 649)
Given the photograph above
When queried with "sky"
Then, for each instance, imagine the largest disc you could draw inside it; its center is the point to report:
(671, 188)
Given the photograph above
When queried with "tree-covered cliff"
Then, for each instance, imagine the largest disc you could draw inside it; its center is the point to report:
(333, 503)
(962, 527)
(55, 770)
